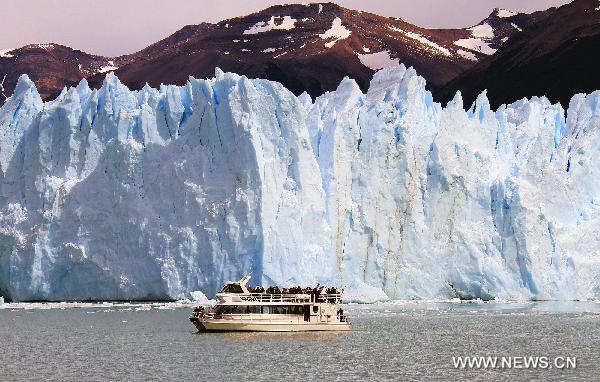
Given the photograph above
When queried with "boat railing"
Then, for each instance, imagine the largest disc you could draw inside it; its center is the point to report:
(333, 298)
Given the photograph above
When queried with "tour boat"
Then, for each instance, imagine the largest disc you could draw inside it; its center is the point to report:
(240, 308)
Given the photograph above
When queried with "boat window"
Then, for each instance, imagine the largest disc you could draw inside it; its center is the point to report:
(283, 309)
(258, 309)
(252, 309)
(296, 309)
(232, 288)
(279, 310)
(230, 309)
(220, 309)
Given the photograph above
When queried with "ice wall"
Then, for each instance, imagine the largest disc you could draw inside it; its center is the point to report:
(151, 194)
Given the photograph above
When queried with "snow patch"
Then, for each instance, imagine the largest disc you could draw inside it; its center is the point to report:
(482, 31)
(467, 55)
(378, 60)
(475, 44)
(5, 53)
(109, 67)
(336, 33)
(45, 46)
(269, 50)
(264, 26)
(503, 13)
(481, 36)
(423, 40)
(516, 27)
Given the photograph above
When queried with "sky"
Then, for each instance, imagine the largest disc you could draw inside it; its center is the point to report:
(115, 27)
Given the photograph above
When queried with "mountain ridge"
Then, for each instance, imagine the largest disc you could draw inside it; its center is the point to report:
(295, 54)
(555, 58)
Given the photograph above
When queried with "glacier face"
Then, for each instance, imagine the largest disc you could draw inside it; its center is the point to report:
(152, 194)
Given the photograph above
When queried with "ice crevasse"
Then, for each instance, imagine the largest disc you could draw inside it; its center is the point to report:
(114, 194)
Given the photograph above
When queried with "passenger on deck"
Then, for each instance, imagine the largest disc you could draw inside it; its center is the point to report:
(199, 311)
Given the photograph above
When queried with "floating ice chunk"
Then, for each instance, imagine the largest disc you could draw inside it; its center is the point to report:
(200, 298)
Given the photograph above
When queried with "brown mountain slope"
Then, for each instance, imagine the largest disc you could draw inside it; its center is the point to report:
(50, 66)
(557, 57)
(290, 44)
(306, 47)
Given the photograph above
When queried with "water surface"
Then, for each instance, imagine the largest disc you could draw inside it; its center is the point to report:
(392, 341)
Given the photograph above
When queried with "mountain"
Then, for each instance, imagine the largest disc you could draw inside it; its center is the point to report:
(50, 66)
(556, 57)
(492, 32)
(306, 47)
(114, 194)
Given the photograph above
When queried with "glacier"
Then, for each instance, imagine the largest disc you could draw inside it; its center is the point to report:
(114, 194)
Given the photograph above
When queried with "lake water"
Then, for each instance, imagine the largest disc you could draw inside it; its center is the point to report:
(393, 341)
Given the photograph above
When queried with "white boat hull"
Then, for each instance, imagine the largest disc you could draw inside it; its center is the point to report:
(219, 325)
